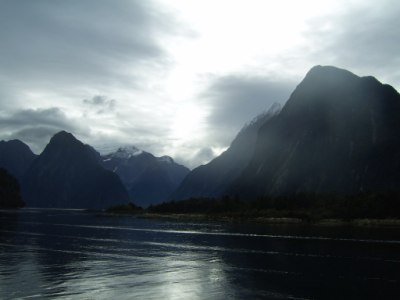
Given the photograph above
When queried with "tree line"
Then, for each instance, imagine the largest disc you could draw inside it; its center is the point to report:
(378, 205)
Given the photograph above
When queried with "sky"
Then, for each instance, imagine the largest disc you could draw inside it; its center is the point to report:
(175, 77)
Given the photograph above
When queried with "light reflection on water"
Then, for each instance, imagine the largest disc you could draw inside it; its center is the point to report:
(74, 254)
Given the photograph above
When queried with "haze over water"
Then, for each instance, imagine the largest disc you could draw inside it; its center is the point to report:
(74, 254)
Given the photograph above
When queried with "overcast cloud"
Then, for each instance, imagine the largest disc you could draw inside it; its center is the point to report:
(178, 77)
(77, 40)
(363, 39)
(37, 126)
(235, 100)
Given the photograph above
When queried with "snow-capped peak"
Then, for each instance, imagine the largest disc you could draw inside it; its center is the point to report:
(126, 152)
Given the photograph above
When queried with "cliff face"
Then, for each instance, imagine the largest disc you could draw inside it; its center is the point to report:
(68, 174)
(338, 133)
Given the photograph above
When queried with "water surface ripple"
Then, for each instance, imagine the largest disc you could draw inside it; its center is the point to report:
(72, 254)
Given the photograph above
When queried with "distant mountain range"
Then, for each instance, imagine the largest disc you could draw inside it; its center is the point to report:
(148, 179)
(70, 174)
(338, 133)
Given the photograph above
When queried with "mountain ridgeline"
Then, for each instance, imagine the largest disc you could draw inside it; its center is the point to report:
(337, 134)
(16, 157)
(70, 174)
(148, 179)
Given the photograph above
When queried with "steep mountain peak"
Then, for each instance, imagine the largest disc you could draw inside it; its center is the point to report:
(63, 137)
(338, 132)
(15, 142)
(64, 144)
(327, 90)
(324, 78)
(15, 157)
(328, 76)
(16, 145)
(327, 72)
(68, 174)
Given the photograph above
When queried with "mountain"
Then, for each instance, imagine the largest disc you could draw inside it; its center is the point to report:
(148, 179)
(212, 179)
(15, 157)
(10, 195)
(68, 174)
(338, 133)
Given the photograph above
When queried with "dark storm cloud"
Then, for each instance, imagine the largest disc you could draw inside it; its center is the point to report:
(365, 39)
(62, 42)
(236, 100)
(36, 127)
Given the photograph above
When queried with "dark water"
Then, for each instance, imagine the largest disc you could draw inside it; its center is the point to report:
(78, 255)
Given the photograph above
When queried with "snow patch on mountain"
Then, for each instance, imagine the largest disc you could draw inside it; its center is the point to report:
(126, 152)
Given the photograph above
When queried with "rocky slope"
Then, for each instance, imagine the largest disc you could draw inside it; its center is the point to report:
(338, 133)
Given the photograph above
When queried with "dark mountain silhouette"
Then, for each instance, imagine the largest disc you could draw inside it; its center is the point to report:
(148, 179)
(15, 157)
(10, 195)
(68, 174)
(338, 133)
(212, 179)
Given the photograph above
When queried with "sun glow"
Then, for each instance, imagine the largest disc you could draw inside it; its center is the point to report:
(232, 35)
(225, 37)
(188, 123)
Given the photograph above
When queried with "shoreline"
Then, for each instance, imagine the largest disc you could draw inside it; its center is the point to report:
(273, 220)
